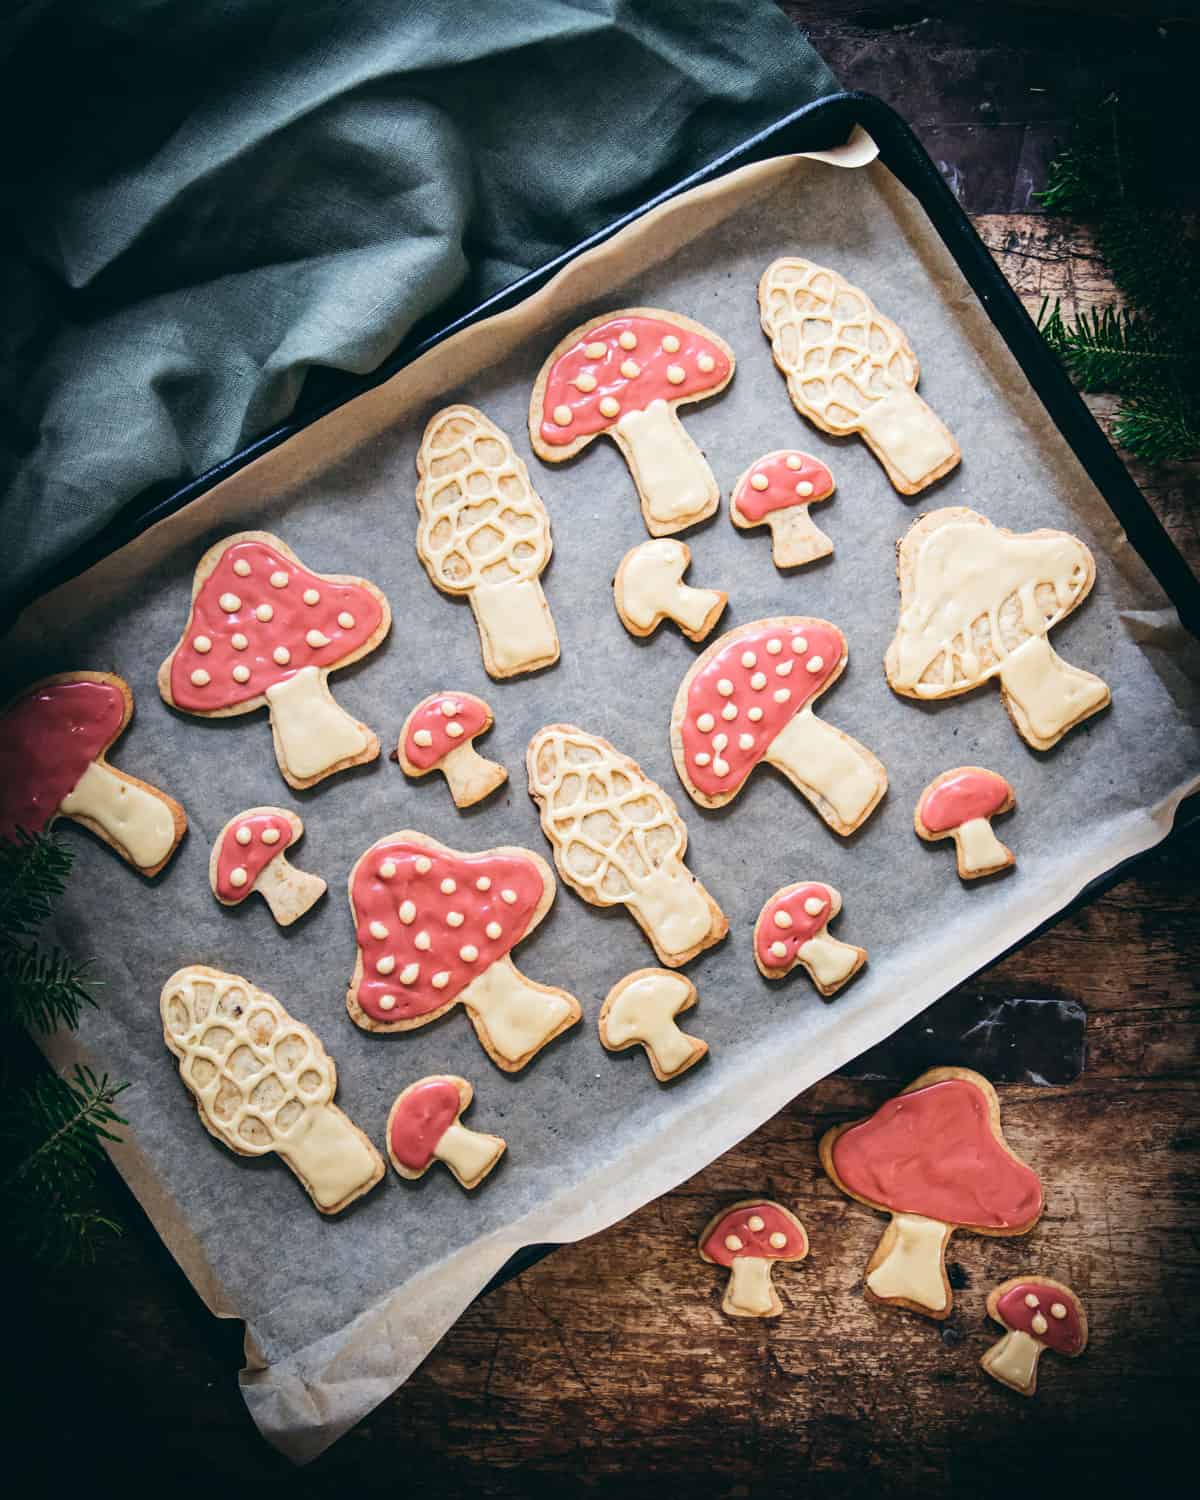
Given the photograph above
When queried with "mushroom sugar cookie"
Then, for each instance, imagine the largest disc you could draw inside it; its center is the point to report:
(424, 1126)
(641, 1009)
(1039, 1314)
(264, 631)
(55, 736)
(649, 588)
(792, 931)
(748, 1238)
(960, 805)
(439, 735)
(626, 375)
(250, 855)
(779, 491)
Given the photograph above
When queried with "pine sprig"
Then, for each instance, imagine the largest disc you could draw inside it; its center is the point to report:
(1109, 348)
(39, 988)
(33, 875)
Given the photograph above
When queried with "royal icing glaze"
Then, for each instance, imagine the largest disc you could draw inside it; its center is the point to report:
(806, 909)
(961, 797)
(649, 587)
(737, 1234)
(420, 1119)
(241, 860)
(643, 1009)
(1049, 1316)
(932, 1152)
(48, 739)
(270, 641)
(440, 724)
(672, 362)
(781, 480)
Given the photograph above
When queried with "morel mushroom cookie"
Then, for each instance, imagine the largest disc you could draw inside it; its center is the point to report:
(747, 1239)
(750, 698)
(936, 1160)
(851, 370)
(54, 740)
(264, 631)
(626, 375)
(439, 735)
(1039, 1314)
(977, 602)
(619, 841)
(960, 805)
(778, 491)
(792, 930)
(641, 1009)
(484, 533)
(649, 589)
(435, 928)
(424, 1126)
(249, 855)
(263, 1082)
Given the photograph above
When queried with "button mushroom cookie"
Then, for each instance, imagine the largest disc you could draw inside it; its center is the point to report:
(54, 741)
(626, 375)
(641, 1009)
(747, 1239)
(960, 805)
(440, 734)
(792, 930)
(249, 855)
(779, 491)
(1039, 1314)
(424, 1126)
(649, 589)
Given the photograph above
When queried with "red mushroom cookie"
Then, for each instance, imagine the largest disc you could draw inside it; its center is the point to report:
(649, 588)
(641, 1009)
(1039, 1314)
(747, 1239)
(792, 929)
(625, 375)
(750, 697)
(439, 735)
(435, 928)
(54, 737)
(424, 1126)
(249, 855)
(960, 805)
(264, 631)
(777, 491)
(935, 1158)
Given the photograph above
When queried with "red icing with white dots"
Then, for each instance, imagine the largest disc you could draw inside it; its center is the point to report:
(933, 1152)
(808, 480)
(964, 795)
(48, 738)
(345, 614)
(803, 924)
(439, 717)
(631, 393)
(755, 1242)
(420, 1119)
(748, 673)
(253, 857)
(1064, 1334)
(411, 905)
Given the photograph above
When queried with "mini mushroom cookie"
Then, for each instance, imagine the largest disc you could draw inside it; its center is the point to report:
(619, 841)
(264, 631)
(641, 1009)
(936, 1160)
(747, 1239)
(484, 533)
(54, 740)
(626, 374)
(649, 588)
(435, 928)
(959, 805)
(778, 490)
(263, 1082)
(851, 370)
(1039, 1314)
(249, 855)
(439, 735)
(977, 602)
(424, 1126)
(792, 929)
(750, 697)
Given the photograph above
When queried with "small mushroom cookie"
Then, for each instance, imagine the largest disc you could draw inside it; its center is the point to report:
(750, 697)
(649, 588)
(778, 490)
(792, 929)
(264, 631)
(977, 602)
(484, 532)
(959, 805)
(1039, 1314)
(625, 375)
(618, 840)
(435, 928)
(54, 739)
(424, 1126)
(747, 1239)
(641, 1009)
(936, 1160)
(249, 855)
(263, 1082)
(439, 735)
(850, 369)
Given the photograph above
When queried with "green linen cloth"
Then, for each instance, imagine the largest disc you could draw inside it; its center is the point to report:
(214, 204)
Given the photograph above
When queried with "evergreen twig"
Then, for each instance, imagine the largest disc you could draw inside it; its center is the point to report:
(39, 988)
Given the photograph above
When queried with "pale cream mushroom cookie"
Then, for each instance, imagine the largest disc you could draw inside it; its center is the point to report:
(649, 589)
(640, 1010)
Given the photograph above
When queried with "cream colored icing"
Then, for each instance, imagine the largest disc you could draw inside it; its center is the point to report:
(469, 1154)
(644, 1012)
(912, 1268)
(978, 846)
(1047, 694)
(1013, 1360)
(516, 625)
(676, 485)
(750, 1290)
(830, 962)
(313, 732)
(335, 1159)
(133, 817)
(649, 585)
(512, 1015)
(824, 763)
(909, 437)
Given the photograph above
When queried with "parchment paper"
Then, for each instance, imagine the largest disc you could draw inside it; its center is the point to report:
(339, 1312)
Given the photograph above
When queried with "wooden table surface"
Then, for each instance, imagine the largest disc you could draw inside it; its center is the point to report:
(609, 1367)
